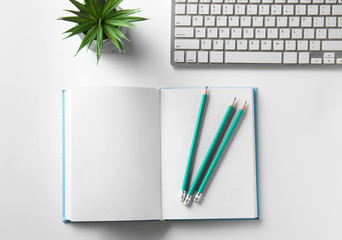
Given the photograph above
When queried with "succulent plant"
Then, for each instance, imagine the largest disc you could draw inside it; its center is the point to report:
(98, 20)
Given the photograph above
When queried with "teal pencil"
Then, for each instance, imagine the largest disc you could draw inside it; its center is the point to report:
(211, 149)
(220, 152)
(193, 146)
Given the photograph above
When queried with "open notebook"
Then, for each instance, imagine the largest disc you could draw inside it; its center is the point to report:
(125, 151)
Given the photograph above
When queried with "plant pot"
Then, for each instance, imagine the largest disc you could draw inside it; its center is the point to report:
(108, 45)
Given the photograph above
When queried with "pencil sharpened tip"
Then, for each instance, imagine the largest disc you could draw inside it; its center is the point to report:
(244, 106)
(182, 195)
(233, 102)
(187, 200)
(206, 90)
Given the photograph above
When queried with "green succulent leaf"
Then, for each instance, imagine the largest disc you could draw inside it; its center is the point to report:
(120, 34)
(90, 5)
(114, 40)
(74, 19)
(83, 15)
(79, 28)
(110, 30)
(88, 38)
(80, 6)
(121, 13)
(99, 41)
(110, 5)
(119, 23)
(132, 19)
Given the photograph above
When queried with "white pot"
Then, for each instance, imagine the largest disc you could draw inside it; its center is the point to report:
(108, 45)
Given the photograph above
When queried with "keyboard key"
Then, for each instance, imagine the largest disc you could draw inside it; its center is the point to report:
(300, 9)
(278, 45)
(284, 33)
(209, 21)
(218, 44)
(266, 45)
(215, 9)
(297, 33)
(288, 10)
(330, 21)
(337, 10)
(276, 10)
(230, 45)
(203, 9)
(290, 57)
(184, 32)
(290, 45)
(212, 32)
(216, 57)
(306, 21)
(294, 22)
(254, 45)
(236, 33)
(316, 60)
(200, 32)
(187, 44)
(228, 9)
(328, 60)
(180, 9)
(324, 10)
(282, 22)
(272, 33)
(224, 33)
(248, 33)
(252, 9)
(240, 9)
(313, 10)
(303, 45)
(270, 21)
(304, 58)
(335, 33)
(242, 44)
(264, 9)
(246, 21)
(332, 45)
(321, 33)
(260, 33)
(318, 22)
(183, 21)
(203, 56)
(221, 21)
(192, 9)
(179, 56)
(339, 60)
(197, 21)
(206, 44)
(258, 21)
(309, 33)
(329, 55)
(253, 57)
(315, 45)
(191, 56)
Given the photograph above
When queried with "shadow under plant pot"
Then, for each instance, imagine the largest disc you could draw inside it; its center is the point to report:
(108, 45)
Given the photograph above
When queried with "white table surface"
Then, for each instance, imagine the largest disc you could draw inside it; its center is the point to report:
(299, 122)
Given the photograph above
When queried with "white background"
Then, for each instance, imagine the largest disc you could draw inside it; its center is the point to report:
(299, 123)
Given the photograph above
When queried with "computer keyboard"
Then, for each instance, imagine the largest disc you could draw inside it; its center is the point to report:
(223, 32)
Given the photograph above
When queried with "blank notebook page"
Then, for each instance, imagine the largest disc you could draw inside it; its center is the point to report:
(115, 154)
(231, 193)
